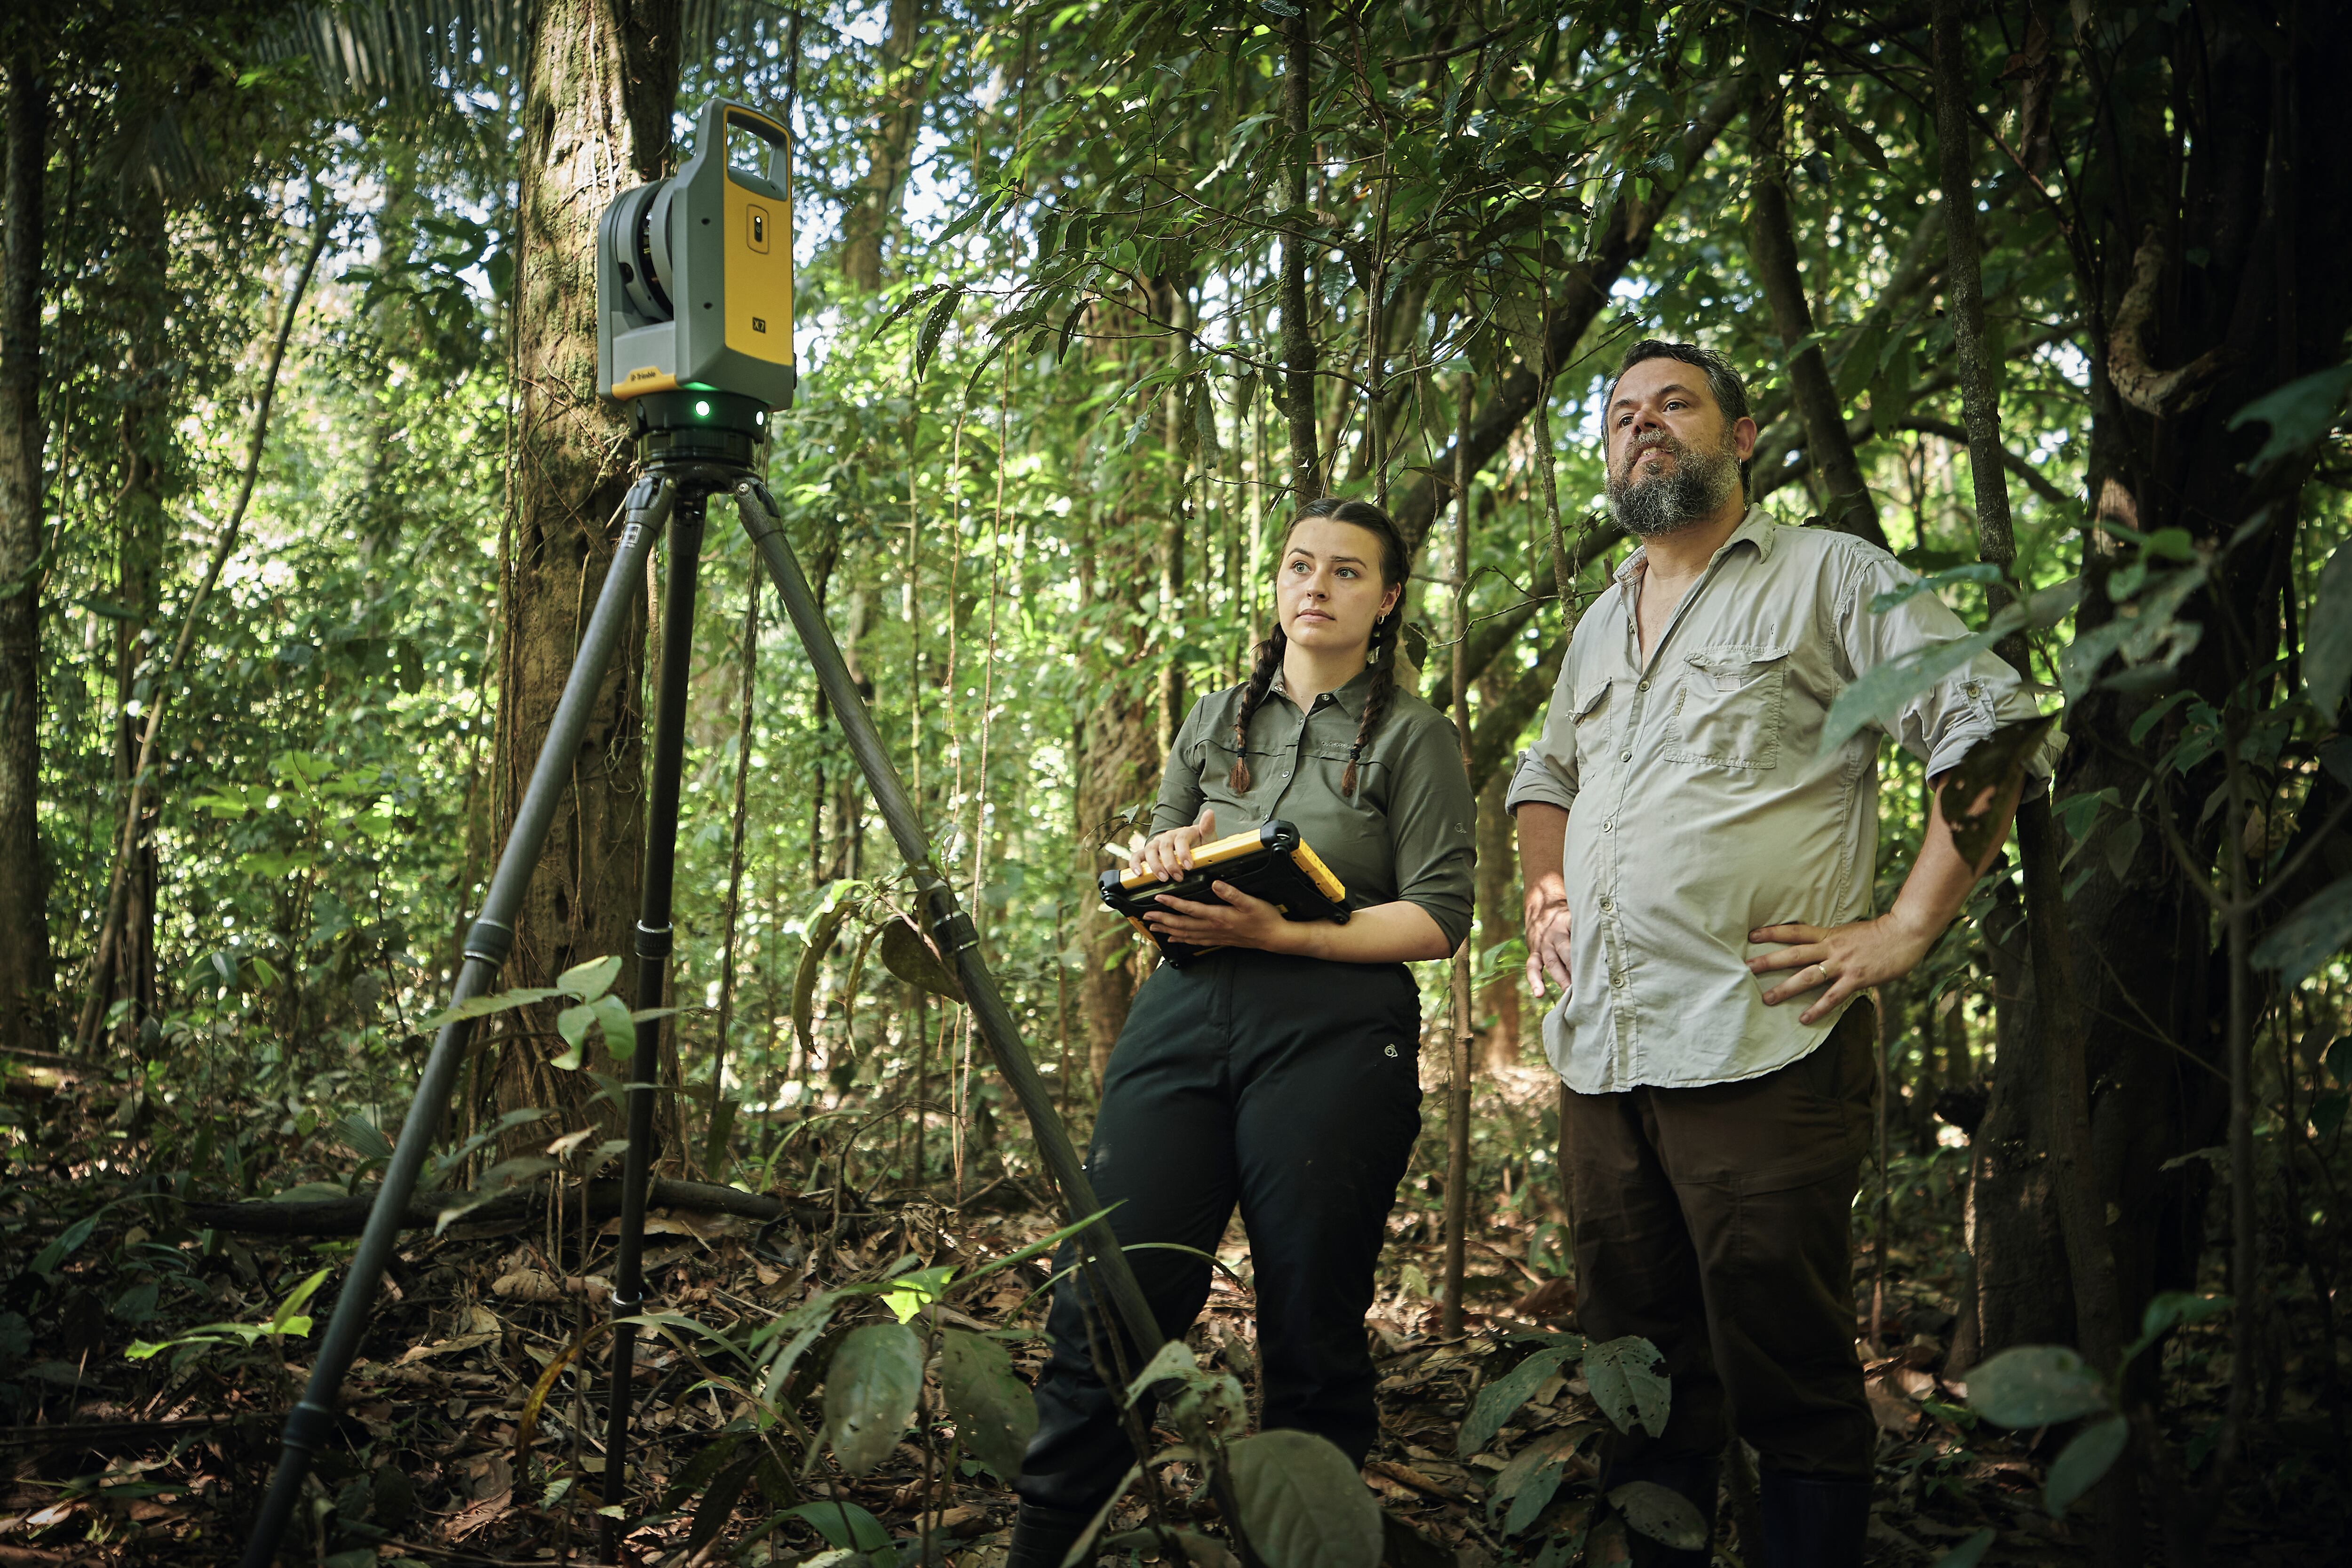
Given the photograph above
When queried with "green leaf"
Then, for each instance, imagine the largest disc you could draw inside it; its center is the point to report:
(995, 1412)
(2033, 1385)
(1302, 1503)
(2327, 636)
(2168, 1309)
(1968, 1553)
(2079, 1465)
(1973, 572)
(1883, 689)
(1661, 1513)
(927, 342)
(1498, 1401)
(483, 1006)
(2308, 938)
(593, 978)
(843, 1524)
(907, 955)
(1532, 1479)
(1171, 1363)
(2300, 413)
(365, 1138)
(282, 1321)
(619, 1027)
(910, 1293)
(1626, 1385)
(821, 938)
(63, 1246)
(869, 1394)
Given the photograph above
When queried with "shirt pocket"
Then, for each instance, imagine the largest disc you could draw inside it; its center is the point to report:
(1726, 710)
(1590, 715)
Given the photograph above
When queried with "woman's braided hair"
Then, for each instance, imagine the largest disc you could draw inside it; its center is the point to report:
(1394, 569)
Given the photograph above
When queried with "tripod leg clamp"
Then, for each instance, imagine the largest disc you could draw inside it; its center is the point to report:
(654, 942)
(489, 941)
(307, 1425)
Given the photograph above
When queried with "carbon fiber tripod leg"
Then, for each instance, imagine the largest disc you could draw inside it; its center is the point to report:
(653, 946)
(487, 943)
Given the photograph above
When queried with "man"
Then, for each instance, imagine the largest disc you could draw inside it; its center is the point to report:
(1698, 883)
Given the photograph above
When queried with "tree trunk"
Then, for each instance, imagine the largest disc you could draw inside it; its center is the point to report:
(603, 83)
(890, 151)
(1298, 332)
(146, 435)
(1772, 241)
(26, 979)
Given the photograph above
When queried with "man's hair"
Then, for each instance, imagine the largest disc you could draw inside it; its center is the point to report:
(1723, 383)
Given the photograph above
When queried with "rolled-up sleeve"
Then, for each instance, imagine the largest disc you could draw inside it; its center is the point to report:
(1546, 770)
(1429, 812)
(1939, 722)
(1180, 777)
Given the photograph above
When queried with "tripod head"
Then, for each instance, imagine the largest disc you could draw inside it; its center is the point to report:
(707, 440)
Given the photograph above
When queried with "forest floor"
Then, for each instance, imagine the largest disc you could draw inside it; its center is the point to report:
(113, 1460)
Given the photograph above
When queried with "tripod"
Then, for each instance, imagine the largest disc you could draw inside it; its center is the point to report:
(691, 447)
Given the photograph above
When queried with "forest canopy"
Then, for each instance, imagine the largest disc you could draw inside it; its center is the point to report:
(307, 486)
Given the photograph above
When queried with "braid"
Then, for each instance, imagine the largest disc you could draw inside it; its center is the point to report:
(1269, 659)
(1383, 691)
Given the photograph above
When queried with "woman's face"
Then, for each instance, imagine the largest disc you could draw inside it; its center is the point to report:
(1328, 590)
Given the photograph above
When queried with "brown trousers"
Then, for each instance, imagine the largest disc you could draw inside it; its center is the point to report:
(1715, 1222)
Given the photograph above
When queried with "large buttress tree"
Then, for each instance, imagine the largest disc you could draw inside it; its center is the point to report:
(601, 82)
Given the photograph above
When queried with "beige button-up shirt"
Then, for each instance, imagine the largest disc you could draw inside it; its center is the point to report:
(1698, 809)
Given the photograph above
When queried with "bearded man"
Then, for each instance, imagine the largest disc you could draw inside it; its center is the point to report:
(1698, 884)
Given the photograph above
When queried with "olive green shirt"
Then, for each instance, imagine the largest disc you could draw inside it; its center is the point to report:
(1406, 832)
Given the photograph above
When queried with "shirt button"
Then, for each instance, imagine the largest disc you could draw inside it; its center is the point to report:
(1607, 827)
(1618, 980)
(1606, 905)
(1625, 756)
(1645, 685)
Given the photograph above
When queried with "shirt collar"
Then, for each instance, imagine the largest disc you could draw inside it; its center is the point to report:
(1759, 528)
(1348, 697)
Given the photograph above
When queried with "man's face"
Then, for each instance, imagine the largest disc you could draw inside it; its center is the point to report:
(1672, 460)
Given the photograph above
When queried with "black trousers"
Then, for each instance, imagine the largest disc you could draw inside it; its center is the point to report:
(1290, 1086)
(1715, 1222)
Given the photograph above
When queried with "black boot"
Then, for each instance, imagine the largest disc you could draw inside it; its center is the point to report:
(1041, 1537)
(1815, 1521)
(1694, 1478)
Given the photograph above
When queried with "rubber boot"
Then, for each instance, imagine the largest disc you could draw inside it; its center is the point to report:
(1815, 1521)
(1693, 1477)
(1041, 1537)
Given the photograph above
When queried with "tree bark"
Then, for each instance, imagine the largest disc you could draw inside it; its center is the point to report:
(890, 151)
(26, 978)
(1298, 356)
(1772, 241)
(603, 81)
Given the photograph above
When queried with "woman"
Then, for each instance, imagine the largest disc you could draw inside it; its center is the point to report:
(1281, 1072)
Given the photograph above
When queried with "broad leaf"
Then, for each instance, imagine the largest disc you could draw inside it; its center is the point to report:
(1883, 689)
(869, 1394)
(2079, 1465)
(820, 942)
(907, 955)
(1972, 791)
(843, 1524)
(1302, 1503)
(2327, 636)
(1661, 1513)
(2300, 413)
(2033, 1385)
(2308, 938)
(995, 1412)
(1968, 1553)
(1532, 1477)
(1626, 1385)
(593, 978)
(1499, 1399)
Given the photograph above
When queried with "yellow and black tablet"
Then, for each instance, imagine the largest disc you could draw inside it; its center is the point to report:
(1271, 862)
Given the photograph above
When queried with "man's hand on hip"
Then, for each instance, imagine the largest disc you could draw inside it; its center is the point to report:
(1845, 959)
(1548, 932)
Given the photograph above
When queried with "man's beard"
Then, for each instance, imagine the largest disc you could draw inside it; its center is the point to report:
(1695, 488)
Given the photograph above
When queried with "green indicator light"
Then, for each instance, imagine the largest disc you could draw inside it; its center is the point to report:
(702, 411)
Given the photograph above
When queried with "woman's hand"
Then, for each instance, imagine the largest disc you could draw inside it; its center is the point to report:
(1240, 921)
(1846, 958)
(1169, 856)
